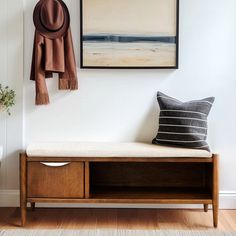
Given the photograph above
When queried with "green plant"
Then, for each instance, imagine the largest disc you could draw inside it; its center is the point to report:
(7, 98)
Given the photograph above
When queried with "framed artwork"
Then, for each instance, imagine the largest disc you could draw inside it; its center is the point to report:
(128, 34)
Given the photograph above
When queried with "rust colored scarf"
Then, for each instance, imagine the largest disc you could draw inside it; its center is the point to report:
(53, 56)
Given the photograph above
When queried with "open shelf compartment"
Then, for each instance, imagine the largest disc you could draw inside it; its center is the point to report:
(126, 180)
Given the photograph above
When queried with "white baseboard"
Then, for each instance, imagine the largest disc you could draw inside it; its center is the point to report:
(228, 199)
(10, 198)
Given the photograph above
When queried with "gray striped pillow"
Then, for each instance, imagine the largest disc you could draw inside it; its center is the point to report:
(183, 124)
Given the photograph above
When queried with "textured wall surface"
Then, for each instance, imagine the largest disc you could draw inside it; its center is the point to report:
(120, 105)
(11, 73)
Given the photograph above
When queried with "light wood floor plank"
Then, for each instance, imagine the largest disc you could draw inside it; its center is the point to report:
(45, 218)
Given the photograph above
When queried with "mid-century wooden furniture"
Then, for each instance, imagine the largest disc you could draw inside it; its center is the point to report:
(119, 180)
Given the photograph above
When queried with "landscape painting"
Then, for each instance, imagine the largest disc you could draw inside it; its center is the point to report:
(129, 33)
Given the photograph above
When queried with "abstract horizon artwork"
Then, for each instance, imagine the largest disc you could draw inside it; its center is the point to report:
(129, 33)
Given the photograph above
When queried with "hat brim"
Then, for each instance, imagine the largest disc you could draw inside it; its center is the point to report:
(44, 31)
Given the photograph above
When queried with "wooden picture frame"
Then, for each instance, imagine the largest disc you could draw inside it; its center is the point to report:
(106, 44)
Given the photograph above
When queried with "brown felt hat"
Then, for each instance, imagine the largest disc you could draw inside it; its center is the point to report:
(51, 18)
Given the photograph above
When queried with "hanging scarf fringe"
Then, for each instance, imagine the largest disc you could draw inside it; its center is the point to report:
(42, 99)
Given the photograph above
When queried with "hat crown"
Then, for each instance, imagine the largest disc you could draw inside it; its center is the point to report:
(52, 15)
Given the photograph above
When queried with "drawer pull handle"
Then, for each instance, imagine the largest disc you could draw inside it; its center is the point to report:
(55, 164)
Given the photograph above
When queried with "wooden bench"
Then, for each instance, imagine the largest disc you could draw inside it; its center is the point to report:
(119, 173)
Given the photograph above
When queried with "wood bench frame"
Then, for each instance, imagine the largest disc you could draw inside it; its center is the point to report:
(91, 175)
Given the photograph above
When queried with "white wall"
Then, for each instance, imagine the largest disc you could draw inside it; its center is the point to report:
(120, 105)
(11, 73)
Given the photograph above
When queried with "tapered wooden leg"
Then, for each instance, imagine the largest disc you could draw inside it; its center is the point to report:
(215, 200)
(206, 207)
(23, 202)
(23, 215)
(32, 204)
(215, 215)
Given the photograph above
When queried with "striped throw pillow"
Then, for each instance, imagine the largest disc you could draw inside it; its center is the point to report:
(183, 124)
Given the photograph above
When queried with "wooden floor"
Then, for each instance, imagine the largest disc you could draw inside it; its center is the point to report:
(117, 219)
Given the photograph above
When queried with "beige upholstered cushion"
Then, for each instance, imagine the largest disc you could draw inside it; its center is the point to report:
(102, 149)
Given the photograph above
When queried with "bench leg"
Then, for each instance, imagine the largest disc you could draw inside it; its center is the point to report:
(215, 215)
(215, 200)
(23, 215)
(23, 201)
(206, 207)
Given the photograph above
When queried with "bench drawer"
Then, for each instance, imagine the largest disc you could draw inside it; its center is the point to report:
(55, 179)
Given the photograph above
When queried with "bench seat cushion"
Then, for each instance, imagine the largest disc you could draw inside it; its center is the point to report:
(102, 149)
